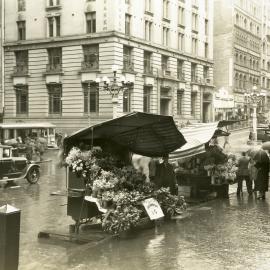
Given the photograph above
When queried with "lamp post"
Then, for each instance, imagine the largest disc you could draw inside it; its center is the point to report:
(114, 87)
(254, 97)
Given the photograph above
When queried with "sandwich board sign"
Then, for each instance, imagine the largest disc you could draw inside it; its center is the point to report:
(153, 208)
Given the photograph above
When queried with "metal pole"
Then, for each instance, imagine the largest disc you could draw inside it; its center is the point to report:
(114, 103)
(254, 118)
(88, 105)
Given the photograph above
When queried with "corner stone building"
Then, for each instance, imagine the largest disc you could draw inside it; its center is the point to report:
(55, 49)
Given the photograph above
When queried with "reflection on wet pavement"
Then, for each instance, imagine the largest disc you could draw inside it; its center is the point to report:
(230, 234)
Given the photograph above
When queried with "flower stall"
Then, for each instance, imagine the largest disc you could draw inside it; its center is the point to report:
(102, 183)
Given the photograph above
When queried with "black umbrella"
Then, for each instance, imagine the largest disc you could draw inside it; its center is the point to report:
(260, 156)
(141, 133)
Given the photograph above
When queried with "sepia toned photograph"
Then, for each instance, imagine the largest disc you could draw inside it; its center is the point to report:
(134, 134)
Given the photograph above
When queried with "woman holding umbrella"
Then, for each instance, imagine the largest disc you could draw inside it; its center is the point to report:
(262, 165)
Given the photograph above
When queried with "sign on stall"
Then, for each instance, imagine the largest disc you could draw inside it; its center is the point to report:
(153, 208)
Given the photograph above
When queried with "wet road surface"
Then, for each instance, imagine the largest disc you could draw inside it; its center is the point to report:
(220, 234)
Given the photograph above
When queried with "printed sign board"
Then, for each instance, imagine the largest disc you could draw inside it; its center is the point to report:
(153, 208)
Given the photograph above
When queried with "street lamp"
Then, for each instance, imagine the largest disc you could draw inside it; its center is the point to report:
(254, 98)
(114, 88)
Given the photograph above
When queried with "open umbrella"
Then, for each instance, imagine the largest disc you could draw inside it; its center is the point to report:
(260, 156)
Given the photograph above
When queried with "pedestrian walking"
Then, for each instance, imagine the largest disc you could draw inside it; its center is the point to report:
(152, 169)
(243, 174)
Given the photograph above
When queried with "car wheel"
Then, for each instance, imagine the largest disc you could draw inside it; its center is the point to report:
(33, 175)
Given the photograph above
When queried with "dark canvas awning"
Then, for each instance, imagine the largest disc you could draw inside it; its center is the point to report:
(141, 133)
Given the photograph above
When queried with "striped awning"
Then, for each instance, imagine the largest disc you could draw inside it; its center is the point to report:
(196, 136)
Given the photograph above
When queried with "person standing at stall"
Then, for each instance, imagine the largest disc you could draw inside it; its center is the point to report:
(243, 174)
(165, 176)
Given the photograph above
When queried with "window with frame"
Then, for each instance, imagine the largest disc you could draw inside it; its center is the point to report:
(91, 56)
(147, 60)
(55, 59)
(21, 5)
(193, 103)
(193, 72)
(50, 26)
(54, 3)
(127, 59)
(127, 24)
(21, 61)
(22, 99)
(165, 9)
(21, 30)
(146, 98)
(181, 16)
(55, 98)
(58, 25)
(165, 36)
(180, 70)
(194, 46)
(148, 30)
(91, 98)
(90, 22)
(179, 102)
(164, 62)
(206, 27)
(127, 100)
(205, 72)
(181, 42)
(148, 5)
(194, 22)
(206, 50)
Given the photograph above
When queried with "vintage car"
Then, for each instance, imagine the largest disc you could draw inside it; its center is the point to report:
(263, 133)
(15, 168)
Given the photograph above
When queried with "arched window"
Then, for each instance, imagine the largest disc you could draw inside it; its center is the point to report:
(244, 60)
(253, 64)
(250, 82)
(236, 58)
(251, 27)
(236, 80)
(258, 30)
(240, 81)
(245, 82)
(245, 23)
(257, 65)
(240, 59)
(257, 81)
(250, 62)
(264, 47)
(263, 64)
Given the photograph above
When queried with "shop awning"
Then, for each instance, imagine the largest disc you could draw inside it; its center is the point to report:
(196, 136)
(141, 133)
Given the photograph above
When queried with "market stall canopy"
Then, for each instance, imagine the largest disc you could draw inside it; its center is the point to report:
(197, 135)
(141, 133)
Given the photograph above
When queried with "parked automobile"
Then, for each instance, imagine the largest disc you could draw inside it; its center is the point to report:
(263, 134)
(16, 168)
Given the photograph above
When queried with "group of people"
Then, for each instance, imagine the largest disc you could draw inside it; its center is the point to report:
(256, 175)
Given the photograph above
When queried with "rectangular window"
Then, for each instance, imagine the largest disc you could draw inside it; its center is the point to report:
(146, 98)
(127, 100)
(21, 62)
(21, 100)
(194, 46)
(180, 70)
(127, 24)
(55, 59)
(205, 72)
(21, 30)
(165, 36)
(206, 27)
(91, 98)
(90, 22)
(91, 56)
(206, 5)
(181, 16)
(21, 5)
(193, 72)
(148, 30)
(181, 42)
(194, 22)
(179, 102)
(55, 99)
(165, 8)
(164, 62)
(206, 50)
(127, 59)
(147, 58)
(51, 3)
(148, 5)
(58, 29)
(50, 26)
(193, 103)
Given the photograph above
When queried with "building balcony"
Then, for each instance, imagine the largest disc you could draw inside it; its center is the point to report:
(20, 70)
(57, 6)
(54, 68)
(89, 65)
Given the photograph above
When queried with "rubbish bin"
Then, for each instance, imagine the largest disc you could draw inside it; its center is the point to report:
(9, 237)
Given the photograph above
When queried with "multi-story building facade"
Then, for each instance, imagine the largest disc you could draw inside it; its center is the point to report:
(237, 54)
(55, 50)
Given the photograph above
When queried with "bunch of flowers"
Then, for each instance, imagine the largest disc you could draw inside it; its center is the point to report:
(121, 219)
(105, 180)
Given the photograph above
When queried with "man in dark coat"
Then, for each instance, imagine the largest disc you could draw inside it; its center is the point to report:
(165, 176)
(262, 178)
(243, 174)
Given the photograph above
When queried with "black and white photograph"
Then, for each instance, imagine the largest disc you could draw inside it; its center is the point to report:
(134, 134)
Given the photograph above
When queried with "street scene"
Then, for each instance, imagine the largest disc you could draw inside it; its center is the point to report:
(134, 134)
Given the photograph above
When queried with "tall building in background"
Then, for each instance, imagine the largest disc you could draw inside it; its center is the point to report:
(237, 55)
(55, 49)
